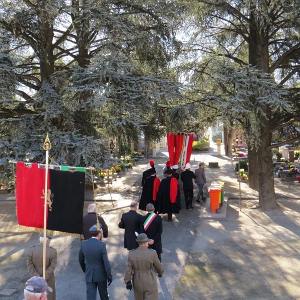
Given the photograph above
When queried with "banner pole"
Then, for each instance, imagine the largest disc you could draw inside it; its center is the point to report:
(46, 147)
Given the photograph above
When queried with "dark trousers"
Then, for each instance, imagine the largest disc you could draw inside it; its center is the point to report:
(91, 290)
(188, 197)
(200, 192)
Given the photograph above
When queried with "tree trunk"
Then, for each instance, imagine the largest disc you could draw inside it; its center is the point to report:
(266, 177)
(260, 160)
(253, 169)
(228, 135)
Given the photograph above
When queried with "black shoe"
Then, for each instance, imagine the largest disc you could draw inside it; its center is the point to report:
(198, 200)
(191, 207)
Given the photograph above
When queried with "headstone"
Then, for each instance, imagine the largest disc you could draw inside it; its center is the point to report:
(213, 164)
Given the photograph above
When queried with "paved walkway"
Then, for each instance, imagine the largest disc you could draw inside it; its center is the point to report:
(248, 255)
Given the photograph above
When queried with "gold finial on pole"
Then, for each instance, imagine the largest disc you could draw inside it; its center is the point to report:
(47, 144)
(46, 147)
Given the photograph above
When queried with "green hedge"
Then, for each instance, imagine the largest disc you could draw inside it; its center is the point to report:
(201, 145)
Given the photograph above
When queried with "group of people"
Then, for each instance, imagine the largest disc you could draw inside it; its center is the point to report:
(165, 194)
(142, 237)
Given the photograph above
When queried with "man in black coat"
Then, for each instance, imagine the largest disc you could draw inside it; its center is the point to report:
(90, 219)
(168, 197)
(94, 263)
(149, 192)
(148, 172)
(153, 228)
(132, 223)
(187, 177)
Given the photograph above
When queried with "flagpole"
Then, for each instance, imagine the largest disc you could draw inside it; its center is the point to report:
(46, 147)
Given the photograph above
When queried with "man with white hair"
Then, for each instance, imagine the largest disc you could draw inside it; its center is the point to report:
(35, 264)
(132, 222)
(187, 177)
(90, 219)
(36, 288)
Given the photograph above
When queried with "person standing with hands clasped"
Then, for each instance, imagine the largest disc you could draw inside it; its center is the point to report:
(143, 264)
(94, 263)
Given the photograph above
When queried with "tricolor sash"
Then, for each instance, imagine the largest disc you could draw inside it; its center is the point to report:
(149, 220)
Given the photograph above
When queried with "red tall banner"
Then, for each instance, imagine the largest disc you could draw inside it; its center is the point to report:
(189, 148)
(178, 147)
(171, 147)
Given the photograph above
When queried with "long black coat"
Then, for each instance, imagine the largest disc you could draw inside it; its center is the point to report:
(88, 221)
(163, 204)
(154, 232)
(147, 174)
(147, 193)
(187, 177)
(132, 222)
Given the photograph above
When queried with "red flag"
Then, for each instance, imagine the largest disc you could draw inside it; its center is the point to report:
(156, 185)
(171, 147)
(178, 147)
(173, 190)
(189, 147)
(30, 183)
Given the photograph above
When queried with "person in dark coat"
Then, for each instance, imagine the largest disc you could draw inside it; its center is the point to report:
(153, 228)
(168, 198)
(132, 222)
(94, 263)
(187, 177)
(200, 181)
(166, 168)
(90, 219)
(148, 172)
(149, 192)
(175, 171)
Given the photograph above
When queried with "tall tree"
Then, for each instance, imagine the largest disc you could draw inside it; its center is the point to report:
(52, 45)
(263, 35)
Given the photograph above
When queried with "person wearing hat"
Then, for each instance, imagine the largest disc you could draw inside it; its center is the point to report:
(175, 170)
(143, 265)
(168, 197)
(166, 168)
(34, 262)
(90, 219)
(36, 288)
(149, 191)
(94, 263)
(132, 222)
(153, 228)
(200, 181)
(187, 177)
(148, 172)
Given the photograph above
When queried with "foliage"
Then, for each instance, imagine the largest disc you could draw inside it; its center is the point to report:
(81, 71)
(201, 145)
